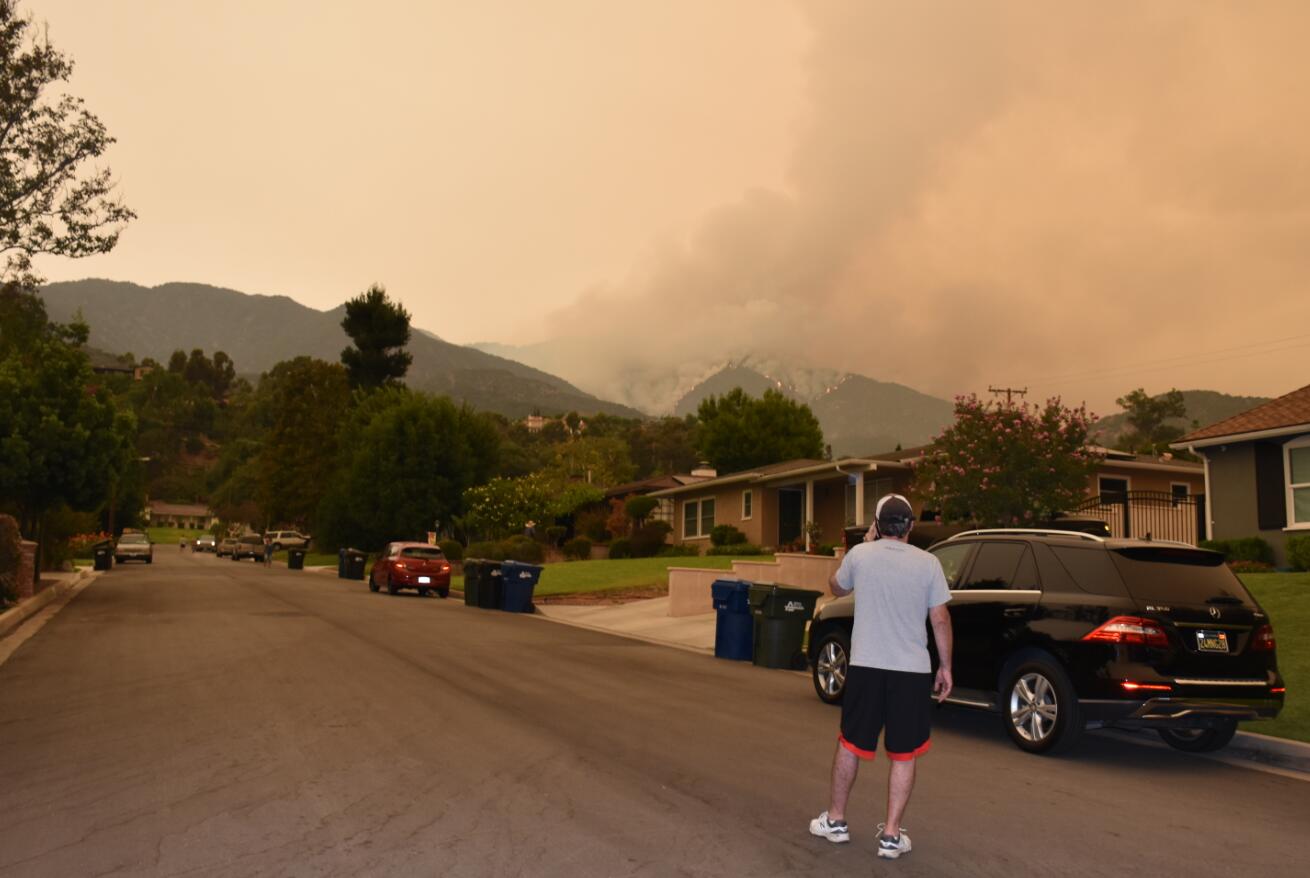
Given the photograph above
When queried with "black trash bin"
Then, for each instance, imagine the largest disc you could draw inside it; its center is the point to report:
(734, 626)
(341, 563)
(295, 559)
(781, 614)
(490, 591)
(472, 576)
(517, 581)
(355, 560)
(102, 555)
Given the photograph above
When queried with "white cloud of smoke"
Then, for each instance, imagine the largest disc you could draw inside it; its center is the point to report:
(1010, 192)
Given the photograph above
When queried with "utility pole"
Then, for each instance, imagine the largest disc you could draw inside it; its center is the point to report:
(1010, 392)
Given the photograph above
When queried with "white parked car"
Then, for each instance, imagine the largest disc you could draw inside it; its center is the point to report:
(134, 547)
(288, 539)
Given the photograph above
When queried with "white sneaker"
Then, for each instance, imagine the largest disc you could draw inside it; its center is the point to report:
(891, 848)
(835, 831)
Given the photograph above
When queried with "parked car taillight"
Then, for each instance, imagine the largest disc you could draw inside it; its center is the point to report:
(1130, 629)
(1263, 639)
(444, 567)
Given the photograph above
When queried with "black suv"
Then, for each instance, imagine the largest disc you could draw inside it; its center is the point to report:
(1058, 631)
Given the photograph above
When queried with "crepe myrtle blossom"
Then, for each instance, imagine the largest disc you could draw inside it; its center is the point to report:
(1037, 453)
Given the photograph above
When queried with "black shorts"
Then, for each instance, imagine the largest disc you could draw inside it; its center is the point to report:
(896, 703)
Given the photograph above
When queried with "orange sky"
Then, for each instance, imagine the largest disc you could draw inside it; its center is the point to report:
(1079, 199)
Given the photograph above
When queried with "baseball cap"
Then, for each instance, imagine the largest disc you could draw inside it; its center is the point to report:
(893, 507)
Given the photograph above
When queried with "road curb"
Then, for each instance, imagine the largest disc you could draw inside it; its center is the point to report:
(12, 618)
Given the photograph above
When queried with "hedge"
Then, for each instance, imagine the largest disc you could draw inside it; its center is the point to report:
(1298, 552)
(1244, 549)
(736, 549)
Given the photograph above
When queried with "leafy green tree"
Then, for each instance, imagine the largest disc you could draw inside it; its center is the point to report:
(53, 197)
(1004, 465)
(380, 329)
(405, 461)
(62, 439)
(1149, 428)
(503, 507)
(603, 461)
(737, 431)
(308, 400)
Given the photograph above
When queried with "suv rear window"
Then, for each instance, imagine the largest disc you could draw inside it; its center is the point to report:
(1091, 569)
(420, 552)
(133, 538)
(1178, 575)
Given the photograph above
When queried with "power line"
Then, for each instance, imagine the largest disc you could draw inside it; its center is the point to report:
(1010, 392)
(1261, 346)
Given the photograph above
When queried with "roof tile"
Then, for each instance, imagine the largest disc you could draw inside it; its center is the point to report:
(1291, 410)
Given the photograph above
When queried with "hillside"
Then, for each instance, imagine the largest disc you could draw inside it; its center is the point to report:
(259, 331)
(1203, 407)
(858, 414)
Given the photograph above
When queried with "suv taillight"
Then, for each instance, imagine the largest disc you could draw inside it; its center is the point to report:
(1130, 629)
(1263, 639)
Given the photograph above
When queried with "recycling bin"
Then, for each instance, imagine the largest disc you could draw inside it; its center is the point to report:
(490, 585)
(517, 581)
(781, 614)
(734, 626)
(102, 556)
(355, 561)
(295, 559)
(472, 576)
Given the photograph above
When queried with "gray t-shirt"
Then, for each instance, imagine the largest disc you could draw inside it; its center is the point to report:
(895, 584)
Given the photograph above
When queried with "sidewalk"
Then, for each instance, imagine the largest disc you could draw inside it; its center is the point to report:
(649, 621)
(56, 585)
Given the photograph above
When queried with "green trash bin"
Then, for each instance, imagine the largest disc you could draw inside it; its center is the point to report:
(781, 614)
(295, 559)
(472, 580)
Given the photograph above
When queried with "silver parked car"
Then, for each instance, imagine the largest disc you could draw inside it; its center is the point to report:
(134, 546)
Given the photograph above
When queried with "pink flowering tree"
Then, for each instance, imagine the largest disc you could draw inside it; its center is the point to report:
(1002, 465)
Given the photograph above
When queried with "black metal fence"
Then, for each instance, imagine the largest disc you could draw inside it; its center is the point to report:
(1157, 515)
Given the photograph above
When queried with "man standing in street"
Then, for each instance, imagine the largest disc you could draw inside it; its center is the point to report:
(889, 684)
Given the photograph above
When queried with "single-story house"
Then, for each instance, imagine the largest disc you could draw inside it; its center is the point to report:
(664, 511)
(1257, 471)
(1135, 494)
(187, 516)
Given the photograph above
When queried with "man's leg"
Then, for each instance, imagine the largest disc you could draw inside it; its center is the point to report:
(845, 766)
(900, 783)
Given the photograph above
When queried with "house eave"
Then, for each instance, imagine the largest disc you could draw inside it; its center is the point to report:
(1252, 436)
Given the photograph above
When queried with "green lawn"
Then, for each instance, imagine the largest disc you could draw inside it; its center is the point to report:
(579, 577)
(1286, 598)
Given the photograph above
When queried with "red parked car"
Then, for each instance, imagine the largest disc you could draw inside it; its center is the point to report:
(411, 565)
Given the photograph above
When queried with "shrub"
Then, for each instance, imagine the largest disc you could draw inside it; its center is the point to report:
(577, 549)
(1250, 567)
(618, 522)
(648, 539)
(736, 549)
(524, 549)
(825, 549)
(726, 535)
(11, 557)
(452, 549)
(1244, 549)
(1298, 552)
(487, 550)
(621, 549)
(684, 550)
(639, 507)
(555, 534)
(591, 524)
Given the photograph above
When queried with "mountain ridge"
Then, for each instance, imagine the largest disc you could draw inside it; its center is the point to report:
(252, 329)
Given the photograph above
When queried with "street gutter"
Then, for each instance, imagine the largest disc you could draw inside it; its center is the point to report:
(18, 624)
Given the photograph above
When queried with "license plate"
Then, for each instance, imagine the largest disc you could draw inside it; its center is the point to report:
(424, 580)
(1212, 641)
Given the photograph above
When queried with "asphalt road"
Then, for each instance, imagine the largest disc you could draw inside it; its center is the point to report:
(203, 717)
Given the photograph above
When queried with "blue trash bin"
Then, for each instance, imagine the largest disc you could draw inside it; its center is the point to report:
(517, 580)
(734, 626)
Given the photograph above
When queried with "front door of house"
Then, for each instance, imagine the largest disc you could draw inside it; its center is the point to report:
(791, 515)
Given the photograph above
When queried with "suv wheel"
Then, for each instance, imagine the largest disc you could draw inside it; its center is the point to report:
(1040, 709)
(831, 661)
(1200, 740)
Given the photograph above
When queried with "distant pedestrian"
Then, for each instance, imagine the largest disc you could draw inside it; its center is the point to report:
(268, 551)
(889, 684)
(181, 546)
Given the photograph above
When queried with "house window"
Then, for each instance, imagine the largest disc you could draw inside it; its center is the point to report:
(1179, 491)
(1298, 482)
(747, 504)
(697, 518)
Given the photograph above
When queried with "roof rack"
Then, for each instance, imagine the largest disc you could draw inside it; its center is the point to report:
(1028, 532)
